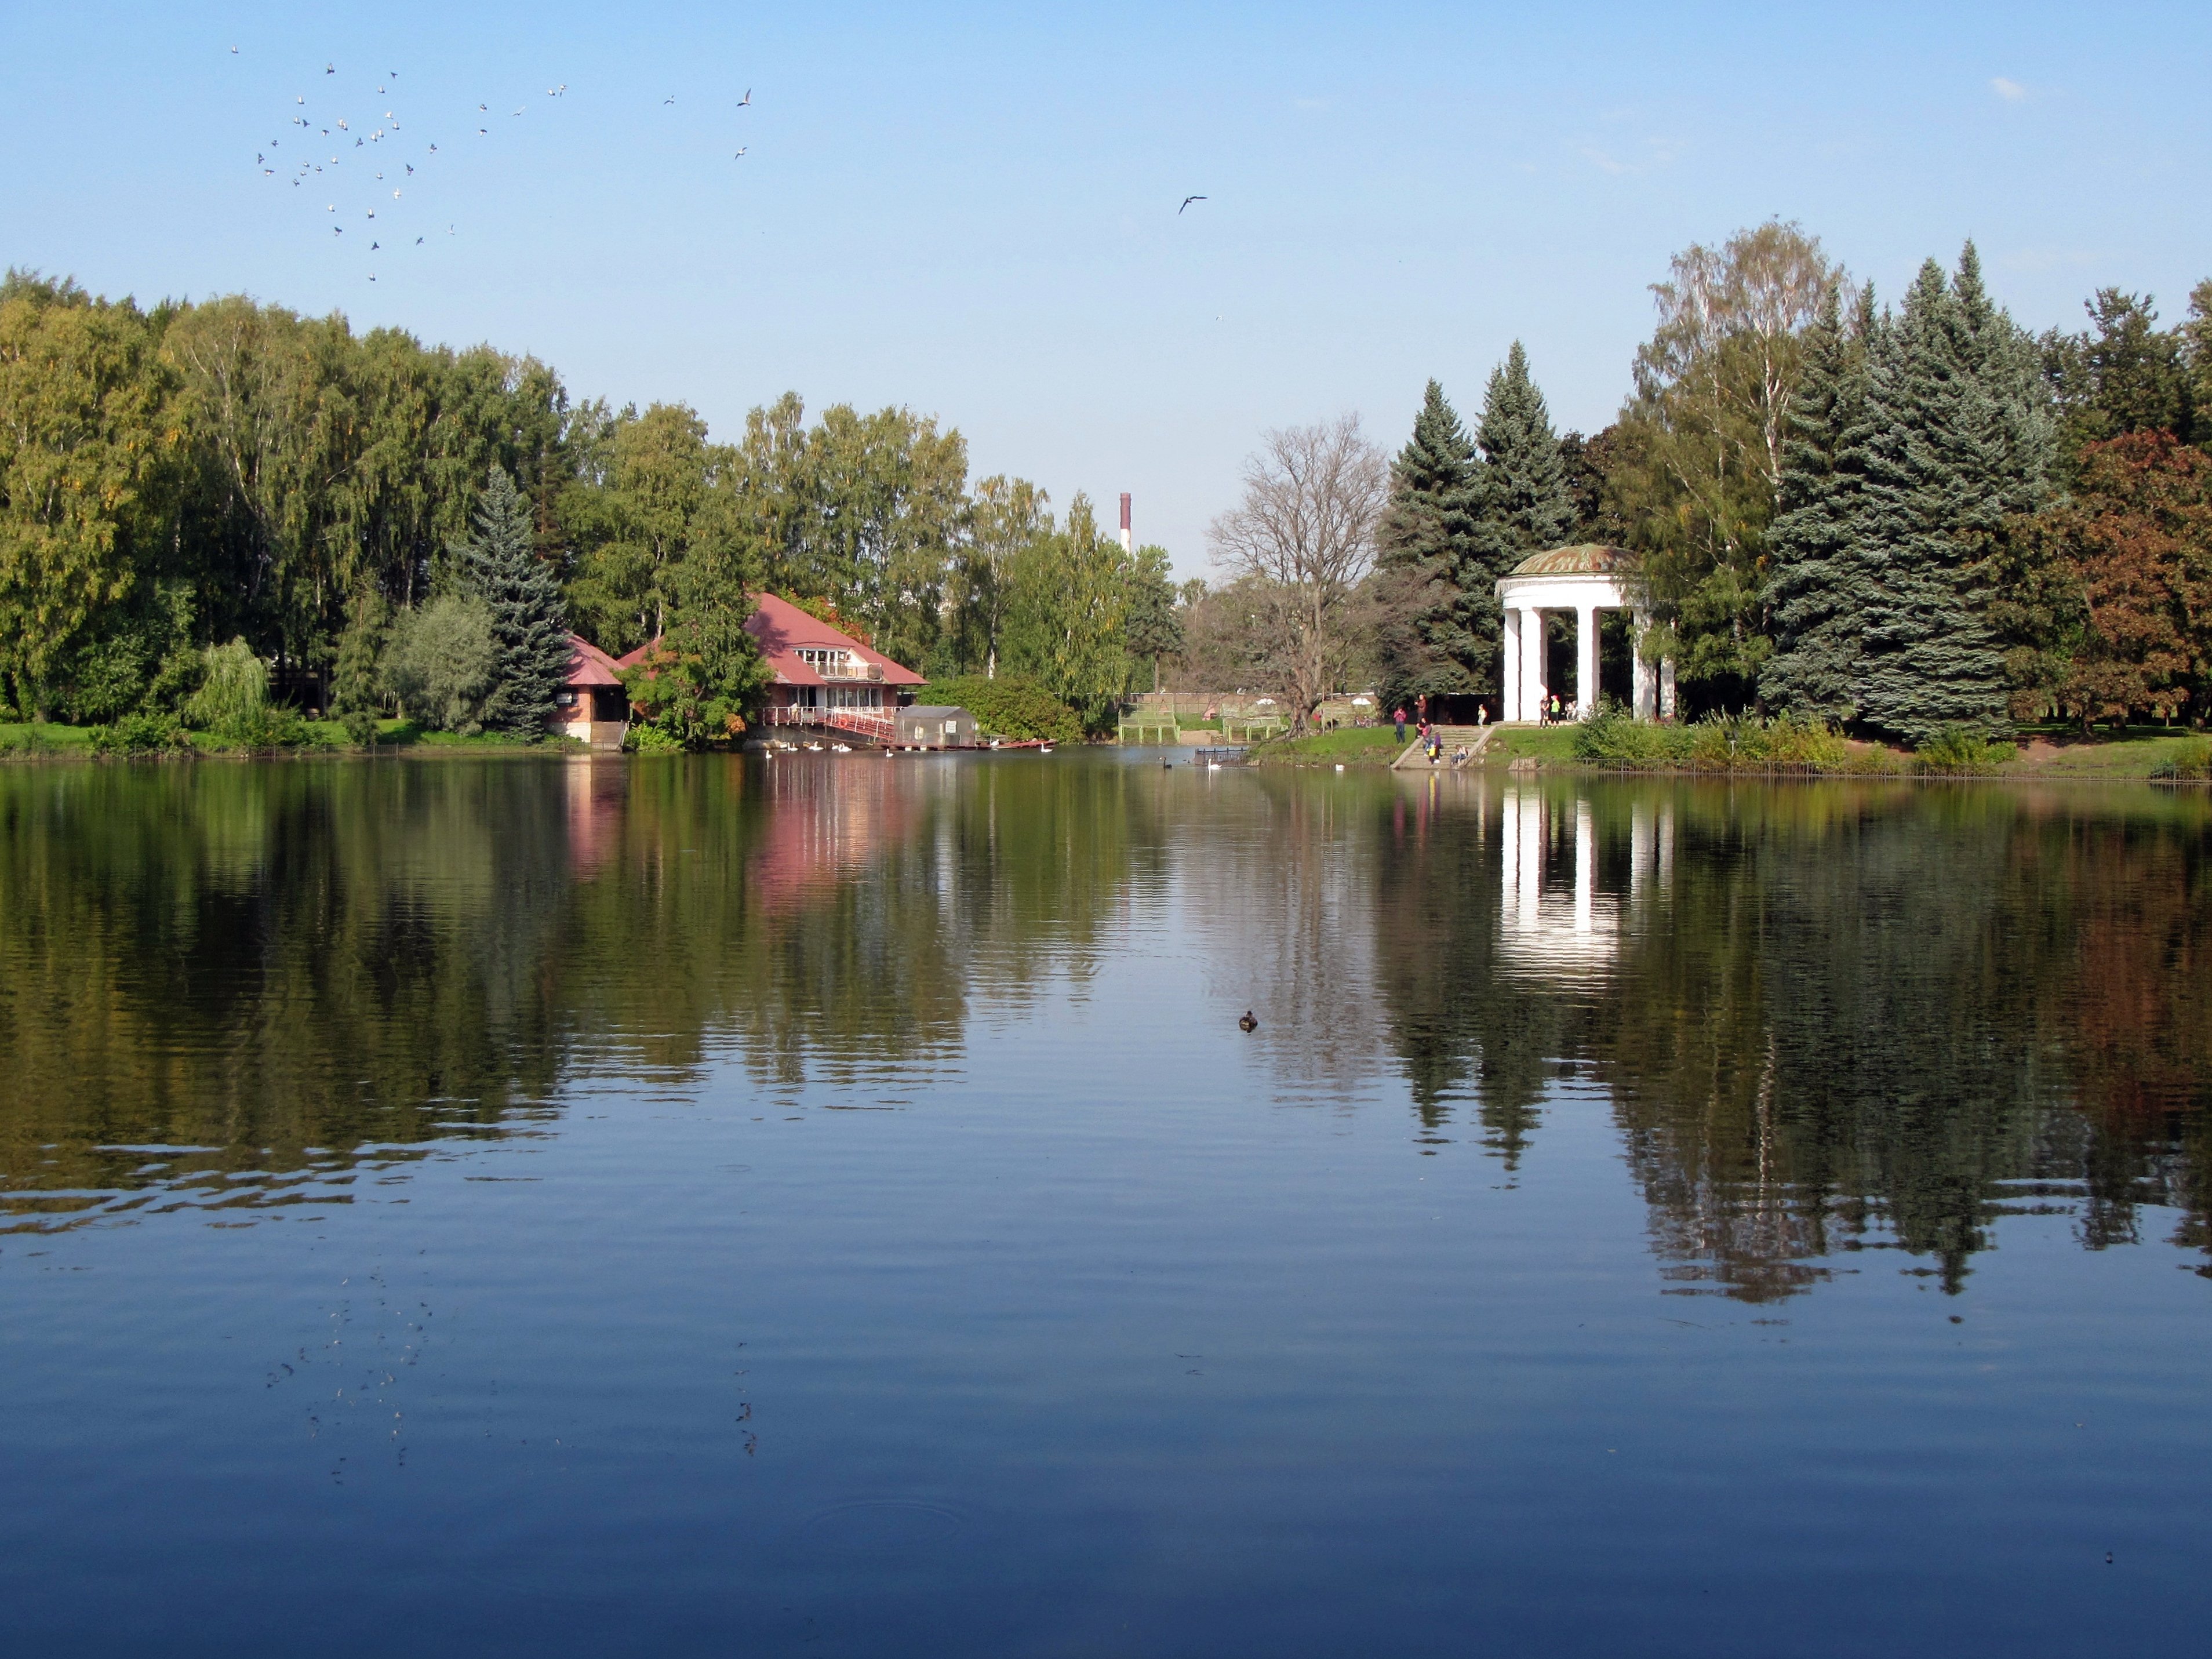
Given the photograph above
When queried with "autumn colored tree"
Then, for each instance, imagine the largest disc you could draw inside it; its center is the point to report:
(2134, 543)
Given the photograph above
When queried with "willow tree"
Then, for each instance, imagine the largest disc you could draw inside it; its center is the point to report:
(1700, 443)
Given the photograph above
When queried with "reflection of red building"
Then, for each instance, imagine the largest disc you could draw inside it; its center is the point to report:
(826, 823)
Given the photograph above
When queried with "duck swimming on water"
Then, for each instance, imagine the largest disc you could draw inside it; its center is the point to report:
(1248, 1023)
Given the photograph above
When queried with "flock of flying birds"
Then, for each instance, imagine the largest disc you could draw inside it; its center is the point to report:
(353, 160)
(347, 160)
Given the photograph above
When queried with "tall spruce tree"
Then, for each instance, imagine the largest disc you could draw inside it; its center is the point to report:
(529, 622)
(1957, 437)
(1523, 503)
(1810, 543)
(1432, 640)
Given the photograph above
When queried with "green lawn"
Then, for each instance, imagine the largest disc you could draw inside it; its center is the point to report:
(1358, 745)
(2136, 752)
(48, 738)
(41, 736)
(1551, 745)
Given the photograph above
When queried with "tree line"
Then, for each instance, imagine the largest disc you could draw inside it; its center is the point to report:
(1897, 519)
(370, 518)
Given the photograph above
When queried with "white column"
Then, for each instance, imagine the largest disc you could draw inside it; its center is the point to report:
(1585, 865)
(1666, 688)
(1533, 653)
(1646, 698)
(1529, 866)
(1585, 661)
(1509, 854)
(1509, 666)
(1642, 838)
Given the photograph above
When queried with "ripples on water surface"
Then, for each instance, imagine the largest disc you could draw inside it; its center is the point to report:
(736, 1207)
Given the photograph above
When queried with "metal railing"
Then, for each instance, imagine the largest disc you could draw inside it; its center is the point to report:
(866, 722)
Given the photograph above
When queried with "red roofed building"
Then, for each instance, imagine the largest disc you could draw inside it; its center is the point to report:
(822, 677)
(593, 707)
(818, 676)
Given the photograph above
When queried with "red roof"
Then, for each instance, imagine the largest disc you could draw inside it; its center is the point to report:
(591, 666)
(783, 630)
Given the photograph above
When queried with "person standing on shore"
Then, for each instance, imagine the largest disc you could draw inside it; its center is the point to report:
(1400, 716)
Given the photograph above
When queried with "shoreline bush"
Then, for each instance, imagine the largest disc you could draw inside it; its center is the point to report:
(1012, 706)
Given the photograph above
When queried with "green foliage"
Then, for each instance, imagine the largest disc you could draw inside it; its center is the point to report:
(2123, 375)
(652, 740)
(2193, 763)
(1815, 634)
(1718, 744)
(1011, 706)
(233, 694)
(531, 648)
(1153, 627)
(89, 459)
(1067, 610)
(139, 735)
(1699, 449)
(1521, 491)
(1963, 749)
(439, 663)
(1431, 633)
(361, 727)
(354, 684)
(1006, 518)
(1954, 440)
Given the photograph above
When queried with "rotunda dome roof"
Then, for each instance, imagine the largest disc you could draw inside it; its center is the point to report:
(1590, 559)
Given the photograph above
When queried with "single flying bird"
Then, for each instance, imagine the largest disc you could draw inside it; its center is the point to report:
(741, 153)
(418, 241)
(747, 99)
(233, 52)
(329, 69)
(1187, 201)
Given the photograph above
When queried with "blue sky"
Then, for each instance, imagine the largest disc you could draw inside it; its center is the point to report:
(972, 210)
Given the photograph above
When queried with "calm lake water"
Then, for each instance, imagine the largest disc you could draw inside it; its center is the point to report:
(828, 1205)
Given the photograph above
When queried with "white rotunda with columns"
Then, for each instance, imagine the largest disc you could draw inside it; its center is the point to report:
(1585, 580)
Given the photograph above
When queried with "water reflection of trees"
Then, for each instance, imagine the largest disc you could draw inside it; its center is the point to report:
(1829, 1019)
(227, 984)
(212, 978)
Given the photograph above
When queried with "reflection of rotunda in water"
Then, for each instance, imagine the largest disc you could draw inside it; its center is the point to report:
(1557, 919)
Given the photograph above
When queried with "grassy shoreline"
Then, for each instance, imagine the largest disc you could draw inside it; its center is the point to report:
(28, 741)
(2046, 753)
